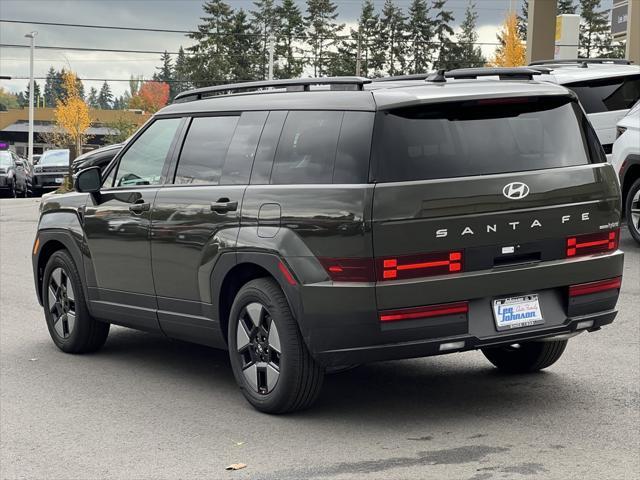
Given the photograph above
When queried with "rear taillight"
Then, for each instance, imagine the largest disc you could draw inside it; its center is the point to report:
(592, 243)
(424, 312)
(349, 269)
(595, 287)
(414, 266)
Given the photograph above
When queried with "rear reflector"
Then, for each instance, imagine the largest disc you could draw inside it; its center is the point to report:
(414, 266)
(592, 243)
(349, 269)
(595, 287)
(424, 312)
(286, 274)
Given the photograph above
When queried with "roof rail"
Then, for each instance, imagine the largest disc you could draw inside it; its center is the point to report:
(297, 85)
(582, 61)
(505, 73)
(413, 76)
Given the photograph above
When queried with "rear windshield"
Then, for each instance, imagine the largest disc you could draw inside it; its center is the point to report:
(479, 137)
(609, 94)
(5, 159)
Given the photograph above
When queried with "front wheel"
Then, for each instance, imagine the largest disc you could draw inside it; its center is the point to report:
(632, 209)
(70, 325)
(525, 357)
(269, 358)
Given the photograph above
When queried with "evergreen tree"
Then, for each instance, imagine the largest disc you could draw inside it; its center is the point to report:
(420, 32)
(443, 32)
(372, 60)
(211, 59)
(392, 38)
(594, 29)
(23, 97)
(164, 74)
(523, 20)
(466, 54)
(53, 89)
(322, 33)
(246, 50)
(105, 97)
(92, 100)
(566, 7)
(291, 32)
(181, 72)
(265, 19)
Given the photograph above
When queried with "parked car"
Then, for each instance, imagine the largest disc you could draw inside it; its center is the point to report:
(15, 178)
(51, 169)
(317, 223)
(626, 161)
(101, 157)
(607, 89)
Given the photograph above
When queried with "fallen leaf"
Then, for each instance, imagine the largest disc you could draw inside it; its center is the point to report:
(237, 444)
(33, 359)
(236, 466)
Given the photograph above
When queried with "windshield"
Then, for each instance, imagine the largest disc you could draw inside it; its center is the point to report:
(5, 159)
(55, 157)
(479, 137)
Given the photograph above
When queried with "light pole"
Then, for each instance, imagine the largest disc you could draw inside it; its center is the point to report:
(32, 37)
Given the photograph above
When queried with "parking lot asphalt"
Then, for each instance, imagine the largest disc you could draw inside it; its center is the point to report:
(145, 407)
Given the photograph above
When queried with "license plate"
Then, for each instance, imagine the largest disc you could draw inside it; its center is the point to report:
(516, 312)
(57, 180)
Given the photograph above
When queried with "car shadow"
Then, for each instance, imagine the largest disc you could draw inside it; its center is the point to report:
(432, 389)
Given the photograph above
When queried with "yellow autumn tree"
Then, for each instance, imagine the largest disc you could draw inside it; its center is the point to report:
(511, 51)
(72, 114)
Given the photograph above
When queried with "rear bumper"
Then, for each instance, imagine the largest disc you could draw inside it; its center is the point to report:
(341, 323)
(431, 347)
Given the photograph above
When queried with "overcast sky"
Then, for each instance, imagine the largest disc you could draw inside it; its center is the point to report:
(170, 14)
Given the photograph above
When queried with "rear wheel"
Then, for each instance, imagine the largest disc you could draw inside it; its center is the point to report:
(525, 357)
(71, 327)
(270, 360)
(632, 208)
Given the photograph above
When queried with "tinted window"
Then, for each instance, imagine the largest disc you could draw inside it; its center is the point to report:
(307, 148)
(237, 165)
(143, 162)
(477, 138)
(354, 146)
(267, 148)
(618, 93)
(205, 149)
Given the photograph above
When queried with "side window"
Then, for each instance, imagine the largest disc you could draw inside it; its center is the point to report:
(307, 148)
(237, 165)
(142, 163)
(267, 148)
(354, 148)
(205, 149)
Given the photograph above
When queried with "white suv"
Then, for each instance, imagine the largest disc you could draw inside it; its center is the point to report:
(626, 161)
(607, 89)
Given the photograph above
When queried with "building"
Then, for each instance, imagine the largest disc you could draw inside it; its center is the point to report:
(14, 127)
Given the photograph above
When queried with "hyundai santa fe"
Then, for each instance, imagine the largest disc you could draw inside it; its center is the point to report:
(312, 224)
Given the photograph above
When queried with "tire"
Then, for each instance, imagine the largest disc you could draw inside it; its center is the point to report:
(632, 210)
(272, 367)
(525, 357)
(70, 325)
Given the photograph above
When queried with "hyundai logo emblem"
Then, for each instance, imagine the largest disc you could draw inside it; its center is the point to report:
(515, 190)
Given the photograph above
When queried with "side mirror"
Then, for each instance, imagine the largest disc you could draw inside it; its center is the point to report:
(88, 180)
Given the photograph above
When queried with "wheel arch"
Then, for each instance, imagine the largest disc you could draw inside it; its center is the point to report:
(229, 277)
(629, 174)
(51, 241)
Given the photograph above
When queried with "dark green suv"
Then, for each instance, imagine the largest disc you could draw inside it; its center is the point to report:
(316, 223)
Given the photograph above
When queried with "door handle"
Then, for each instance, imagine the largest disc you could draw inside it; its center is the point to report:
(138, 208)
(223, 205)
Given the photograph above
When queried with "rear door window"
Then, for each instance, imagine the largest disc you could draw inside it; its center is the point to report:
(608, 94)
(479, 137)
(241, 152)
(307, 148)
